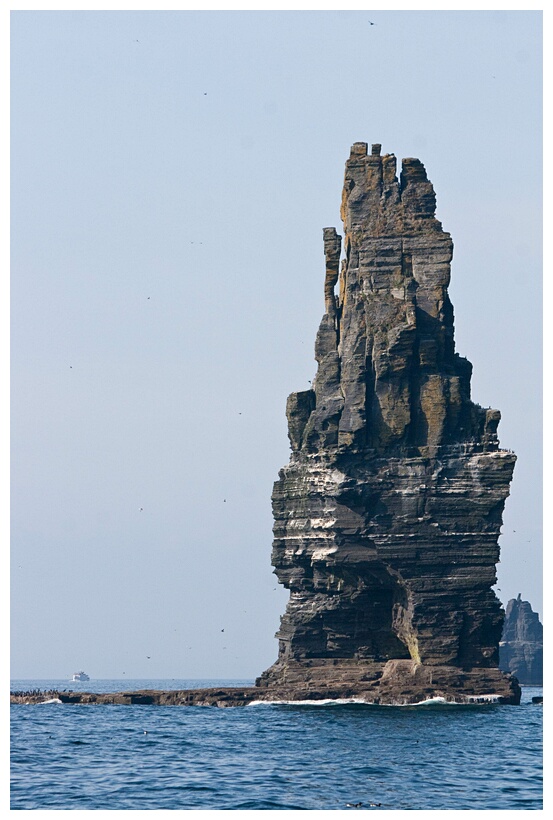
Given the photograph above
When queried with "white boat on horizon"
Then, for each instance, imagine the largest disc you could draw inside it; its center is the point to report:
(80, 676)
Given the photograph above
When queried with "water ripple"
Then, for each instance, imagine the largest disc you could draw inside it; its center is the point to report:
(277, 758)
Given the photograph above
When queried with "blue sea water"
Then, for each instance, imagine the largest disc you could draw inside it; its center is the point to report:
(272, 756)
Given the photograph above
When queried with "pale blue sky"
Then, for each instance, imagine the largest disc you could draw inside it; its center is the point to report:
(171, 176)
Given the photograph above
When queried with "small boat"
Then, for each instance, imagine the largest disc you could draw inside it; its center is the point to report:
(80, 676)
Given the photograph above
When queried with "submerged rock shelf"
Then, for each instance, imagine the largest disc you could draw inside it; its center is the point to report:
(147, 697)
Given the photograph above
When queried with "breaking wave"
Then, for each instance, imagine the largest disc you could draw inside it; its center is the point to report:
(323, 702)
(472, 700)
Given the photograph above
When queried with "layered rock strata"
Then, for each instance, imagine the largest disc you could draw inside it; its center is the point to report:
(521, 646)
(388, 515)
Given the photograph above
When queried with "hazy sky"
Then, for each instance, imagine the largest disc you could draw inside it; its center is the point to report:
(171, 176)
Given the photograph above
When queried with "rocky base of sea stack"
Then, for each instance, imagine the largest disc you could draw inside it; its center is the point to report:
(388, 514)
(395, 683)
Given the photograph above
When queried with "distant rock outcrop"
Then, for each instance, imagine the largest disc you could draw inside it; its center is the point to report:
(388, 515)
(521, 647)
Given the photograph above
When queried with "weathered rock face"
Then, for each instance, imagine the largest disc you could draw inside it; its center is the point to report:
(521, 647)
(387, 516)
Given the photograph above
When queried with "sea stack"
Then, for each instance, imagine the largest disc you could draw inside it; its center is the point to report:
(387, 516)
(521, 646)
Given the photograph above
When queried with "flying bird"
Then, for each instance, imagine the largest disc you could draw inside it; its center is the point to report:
(371, 23)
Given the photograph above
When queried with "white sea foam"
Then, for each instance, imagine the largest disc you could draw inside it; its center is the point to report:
(435, 701)
(440, 701)
(324, 702)
(53, 700)
(484, 698)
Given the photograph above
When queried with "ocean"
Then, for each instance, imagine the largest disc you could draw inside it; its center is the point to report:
(311, 757)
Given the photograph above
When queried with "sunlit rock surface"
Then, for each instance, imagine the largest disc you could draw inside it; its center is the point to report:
(388, 515)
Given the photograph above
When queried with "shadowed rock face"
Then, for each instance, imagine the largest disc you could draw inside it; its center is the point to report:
(388, 515)
(521, 647)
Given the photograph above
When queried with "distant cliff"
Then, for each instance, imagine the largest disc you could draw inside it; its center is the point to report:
(521, 646)
(388, 514)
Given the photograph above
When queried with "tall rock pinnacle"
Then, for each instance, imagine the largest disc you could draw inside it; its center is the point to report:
(388, 515)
